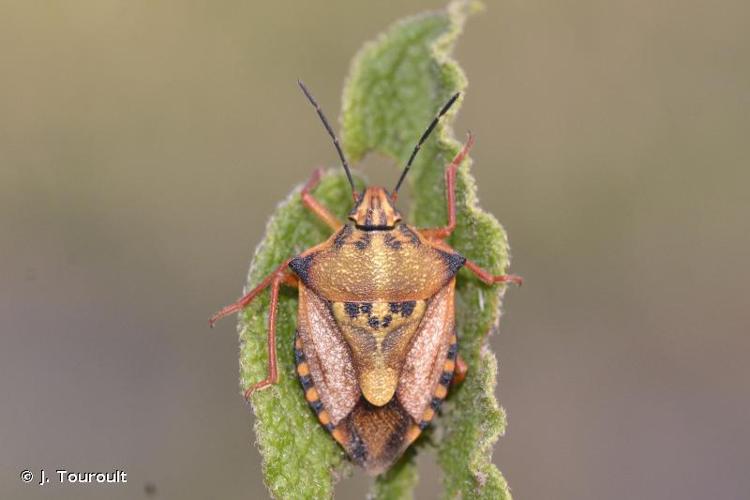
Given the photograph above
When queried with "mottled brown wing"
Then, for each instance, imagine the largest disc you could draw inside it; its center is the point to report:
(327, 354)
(427, 355)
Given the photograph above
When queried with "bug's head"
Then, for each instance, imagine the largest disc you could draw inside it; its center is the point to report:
(374, 210)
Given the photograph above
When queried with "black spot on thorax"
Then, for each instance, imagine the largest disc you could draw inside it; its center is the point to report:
(301, 266)
(454, 261)
(407, 308)
(342, 236)
(351, 309)
(364, 241)
(392, 242)
(411, 235)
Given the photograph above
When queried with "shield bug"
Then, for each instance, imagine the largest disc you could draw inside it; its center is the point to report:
(376, 347)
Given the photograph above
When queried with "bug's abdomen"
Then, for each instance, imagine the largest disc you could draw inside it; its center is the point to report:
(375, 436)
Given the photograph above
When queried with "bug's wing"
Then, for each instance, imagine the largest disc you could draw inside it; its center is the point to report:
(426, 358)
(327, 354)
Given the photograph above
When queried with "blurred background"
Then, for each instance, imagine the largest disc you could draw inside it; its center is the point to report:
(143, 145)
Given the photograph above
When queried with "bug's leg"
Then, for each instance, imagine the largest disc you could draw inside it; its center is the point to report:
(472, 266)
(273, 375)
(450, 191)
(244, 301)
(489, 278)
(459, 373)
(314, 205)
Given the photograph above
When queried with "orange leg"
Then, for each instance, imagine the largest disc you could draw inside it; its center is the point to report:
(273, 375)
(482, 274)
(450, 188)
(489, 278)
(314, 205)
(459, 373)
(275, 280)
(280, 271)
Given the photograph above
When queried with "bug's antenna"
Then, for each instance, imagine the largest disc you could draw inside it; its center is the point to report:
(332, 134)
(424, 137)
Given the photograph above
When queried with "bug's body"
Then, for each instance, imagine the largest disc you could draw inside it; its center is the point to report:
(375, 324)
(376, 347)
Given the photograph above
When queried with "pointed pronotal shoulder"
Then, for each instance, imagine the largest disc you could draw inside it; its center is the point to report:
(396, 264)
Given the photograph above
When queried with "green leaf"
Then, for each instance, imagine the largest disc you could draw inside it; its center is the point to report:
(399, 481)
(299, 456)
(396, 85)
